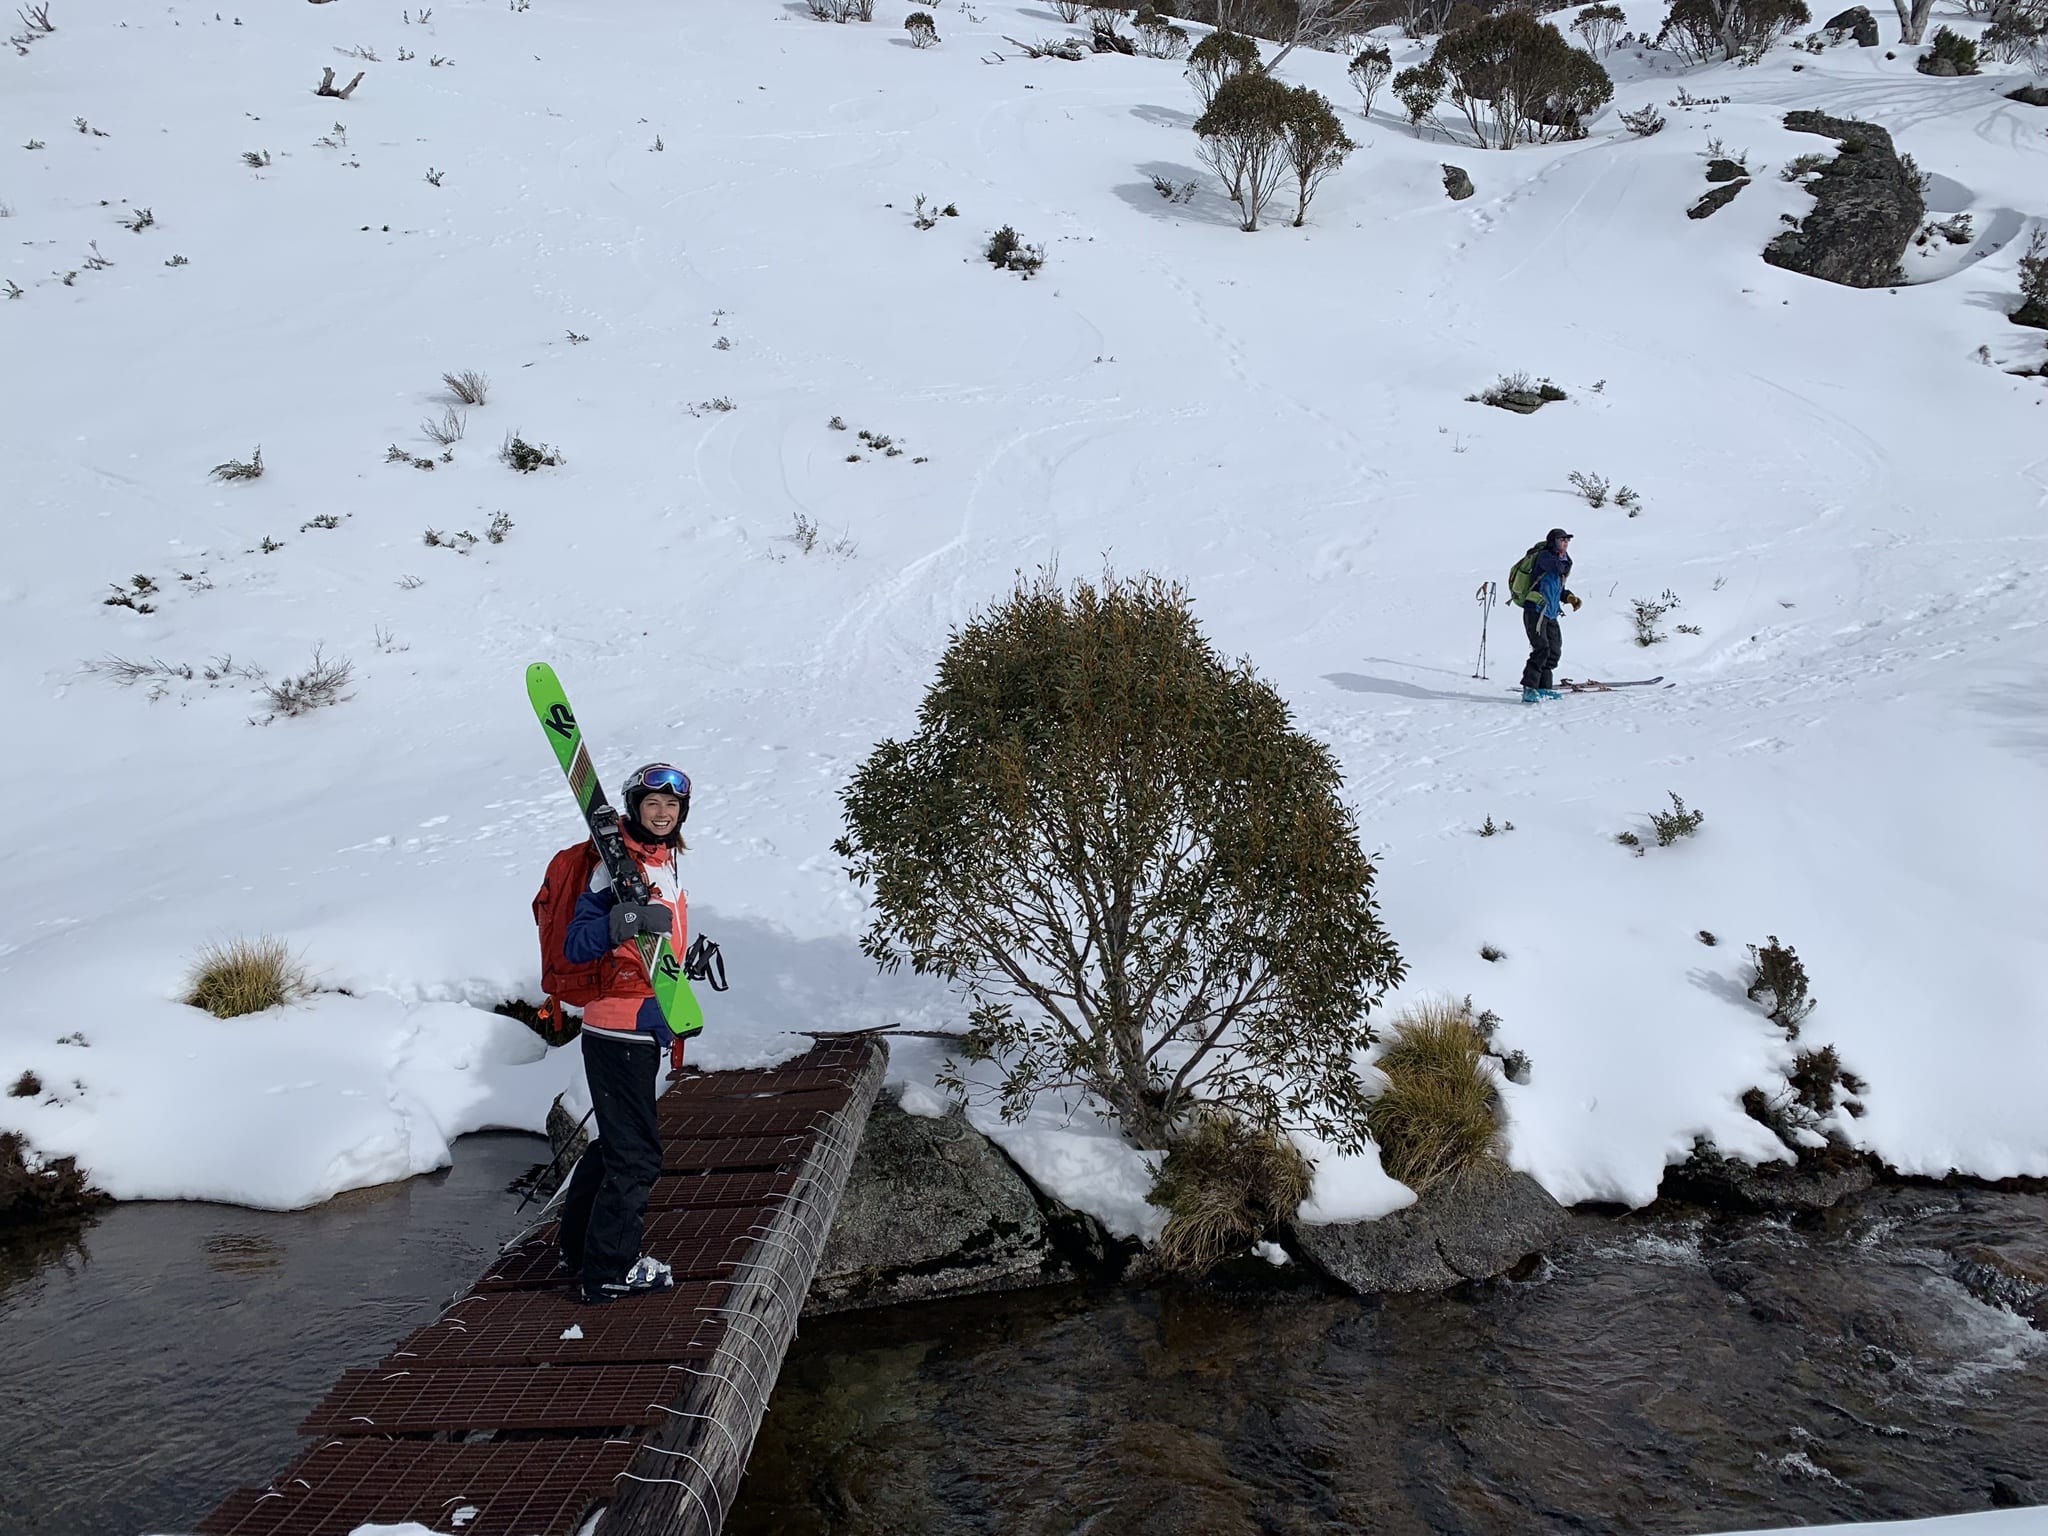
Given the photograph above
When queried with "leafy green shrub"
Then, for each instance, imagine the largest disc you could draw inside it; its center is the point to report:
(1675, 823)
(1218, 59)
(246, 976)
(1948, 53)
(2033, 308)
(1158, 37)
(1224, 1184)
(250, 468)
(528, 457)
(1437, 1118)
(1780, 977)
(1142, 877)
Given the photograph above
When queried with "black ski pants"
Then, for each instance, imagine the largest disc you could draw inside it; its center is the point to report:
(1546, 647)
(605, 1211)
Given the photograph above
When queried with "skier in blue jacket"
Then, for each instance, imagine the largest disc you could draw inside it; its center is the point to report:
(1547, 597)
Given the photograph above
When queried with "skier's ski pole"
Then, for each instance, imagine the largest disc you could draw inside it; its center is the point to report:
(1484, 597)
(566, 1145)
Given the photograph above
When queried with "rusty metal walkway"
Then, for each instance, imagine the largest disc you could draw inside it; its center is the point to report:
(519, 1412)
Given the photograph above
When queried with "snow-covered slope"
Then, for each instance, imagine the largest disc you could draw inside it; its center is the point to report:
(1847, 502)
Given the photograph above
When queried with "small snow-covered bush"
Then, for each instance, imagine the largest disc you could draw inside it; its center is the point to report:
(1593, 488)
(250, 468)
(2033, 269)
(1437, 1118)
(1648, 613)
(1224, 1184)
(243, 976)
(1780, 978)
(922, 29)
(1644, 121)
(322, 685)
(1948, 53)
(1007, 252)
(1218, 59)
(1675, 823)
(26, 1086)
(527, 457)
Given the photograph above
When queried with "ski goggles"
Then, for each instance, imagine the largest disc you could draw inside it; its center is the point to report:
(668, 781)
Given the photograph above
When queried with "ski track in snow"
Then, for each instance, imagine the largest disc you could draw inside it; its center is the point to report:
(1848, 506)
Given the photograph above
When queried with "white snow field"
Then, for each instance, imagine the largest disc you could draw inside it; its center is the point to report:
(1848, 502)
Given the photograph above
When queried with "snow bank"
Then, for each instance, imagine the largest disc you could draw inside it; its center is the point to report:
(1993, 1522)
(1847, 503)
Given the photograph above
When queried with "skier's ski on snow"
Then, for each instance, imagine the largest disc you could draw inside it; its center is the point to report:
(1588, 685)
(672, 992)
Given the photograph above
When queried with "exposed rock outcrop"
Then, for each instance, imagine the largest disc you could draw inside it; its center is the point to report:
(1856, 22)
(1464, 1229)
(1716, 200)
(1812, 1184)
(932, 1208)
(1867, 205)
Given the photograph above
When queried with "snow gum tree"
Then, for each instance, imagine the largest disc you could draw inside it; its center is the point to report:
(1516, 77)
(1913, 16)
(1243, 140)
(1369, 71)
(1699, 30)
(1315, 142)
(1217, 58)
(1137, 872)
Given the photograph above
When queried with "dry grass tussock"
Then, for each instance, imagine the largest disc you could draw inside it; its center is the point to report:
(1224, 1183)
(246, 976)
(1438, 1116)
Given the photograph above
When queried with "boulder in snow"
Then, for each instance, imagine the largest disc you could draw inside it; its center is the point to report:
(1463, 1229)
(1856, 22)
(1457, 184)
(1813, 1183)
(1866, 207)
(932, 1208)
(1716, 200)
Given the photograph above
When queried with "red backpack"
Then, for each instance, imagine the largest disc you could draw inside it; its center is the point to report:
(554, 907)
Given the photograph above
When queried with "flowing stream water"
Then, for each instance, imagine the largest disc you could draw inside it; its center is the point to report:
(1664, 1372)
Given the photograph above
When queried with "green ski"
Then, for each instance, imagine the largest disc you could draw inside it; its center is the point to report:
(664, 971)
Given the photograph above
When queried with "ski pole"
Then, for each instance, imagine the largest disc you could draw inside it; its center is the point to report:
(567, 1143)
(1484, 597)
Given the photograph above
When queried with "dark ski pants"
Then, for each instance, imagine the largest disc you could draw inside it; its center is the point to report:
(1546, 647)
(605, 1211)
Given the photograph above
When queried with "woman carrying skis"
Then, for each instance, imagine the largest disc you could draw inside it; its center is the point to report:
(604, 1212)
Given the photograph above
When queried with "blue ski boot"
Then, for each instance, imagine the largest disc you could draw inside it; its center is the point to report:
(1548, 693)
(1533, 696)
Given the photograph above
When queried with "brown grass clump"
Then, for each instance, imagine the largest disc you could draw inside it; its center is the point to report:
(1224, 1183)
(246, 976)
(1437, 1118)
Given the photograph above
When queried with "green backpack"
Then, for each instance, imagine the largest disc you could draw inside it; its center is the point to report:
(1522, 578)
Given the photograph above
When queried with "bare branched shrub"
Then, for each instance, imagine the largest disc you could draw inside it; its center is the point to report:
(805, 534)
(321, 685)
(255, 159)
(244, 976)
(448, 430)
(1648, 613)
(250, 468)
(469, 387)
